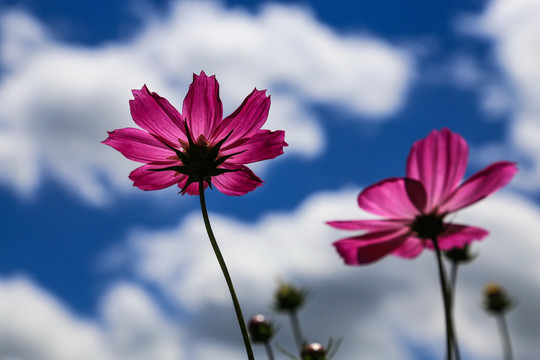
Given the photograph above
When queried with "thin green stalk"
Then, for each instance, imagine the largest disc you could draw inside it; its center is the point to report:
(453, 276)
(228, 280)
(453, 281)
(450, 343)
(505, 337)
(297, 331)
(269, 351)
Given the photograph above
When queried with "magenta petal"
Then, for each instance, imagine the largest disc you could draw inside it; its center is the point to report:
(480, 185)
(238, 182)
(155, 115)
(202, 106)
(146, 179)
(264, 145)
(396, 198)
(411, 248)
(439, 162)
(138, 145)
(368, 225)
(458, 236)
(191, 189)
(370, 247)
(246, 120)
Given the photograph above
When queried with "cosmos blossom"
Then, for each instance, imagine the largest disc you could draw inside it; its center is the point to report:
(198, 144)
(414, 207)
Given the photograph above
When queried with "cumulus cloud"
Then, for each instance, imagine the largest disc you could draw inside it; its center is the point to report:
(58, 99)
(376, 309)
(514, 29)
(129, 326)
(379, 310)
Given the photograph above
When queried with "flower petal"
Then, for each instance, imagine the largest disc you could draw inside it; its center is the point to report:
(369, 225)
(264, 145)
(138, 145)
(458, 236)
(246, 120)
(157, 116)
(238, 182)
(411, 248)
(202, 106)
(370, 247)
(439, 162)
(147, 179)
(191, 189)
(480, 185)
(395, 198)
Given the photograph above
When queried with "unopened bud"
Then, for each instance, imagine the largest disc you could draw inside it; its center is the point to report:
(313, 351)
(289, 298)
(260, 329)
(496, 301)
(460, 255)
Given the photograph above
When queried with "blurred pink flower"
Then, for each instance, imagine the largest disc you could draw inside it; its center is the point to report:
(414, 207)
(198, 144)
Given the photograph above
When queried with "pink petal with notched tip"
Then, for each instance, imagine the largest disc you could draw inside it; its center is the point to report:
(368, 225)
(138, 145)
(458, 236)
(439, 162)
(480, 185)
(146, 179)
(264, 145)
(368, 248)
(244, 121)
(395, 198)
(155, 115)
(238, 182)
(202, 106)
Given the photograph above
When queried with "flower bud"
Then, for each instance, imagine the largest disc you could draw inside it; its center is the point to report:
(460, 255)
(289, 298)
(313, 351)
(496, 301)
(260, 329)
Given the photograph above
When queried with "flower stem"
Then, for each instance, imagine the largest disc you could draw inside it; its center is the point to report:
(223, 266)
(297, 331)
(505, 337)
(453, 277)
(452, 295)
(269, 351)
(447, 300)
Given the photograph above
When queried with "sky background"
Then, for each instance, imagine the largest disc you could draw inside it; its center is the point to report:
(93, 268)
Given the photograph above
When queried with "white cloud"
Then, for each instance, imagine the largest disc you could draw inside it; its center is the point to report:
(514, 28)
(379, 310)
(36, 326)
(57, 100)
(375, 308)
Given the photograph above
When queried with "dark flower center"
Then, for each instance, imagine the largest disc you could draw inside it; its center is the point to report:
(428, 226)
(199, 160)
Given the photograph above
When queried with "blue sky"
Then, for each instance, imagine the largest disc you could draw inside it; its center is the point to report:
(87, 259)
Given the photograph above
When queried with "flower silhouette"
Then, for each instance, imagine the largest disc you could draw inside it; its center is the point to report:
(415, 206)
(197, 144)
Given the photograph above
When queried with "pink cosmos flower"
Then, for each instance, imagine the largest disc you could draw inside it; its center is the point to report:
(415, 206)
(197, 144)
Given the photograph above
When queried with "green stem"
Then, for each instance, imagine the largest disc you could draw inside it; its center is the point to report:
(505, 337)
(450, 343)
(269, 351)
(297, 331)
(223, 266)
(452, 295)
(453, 277)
